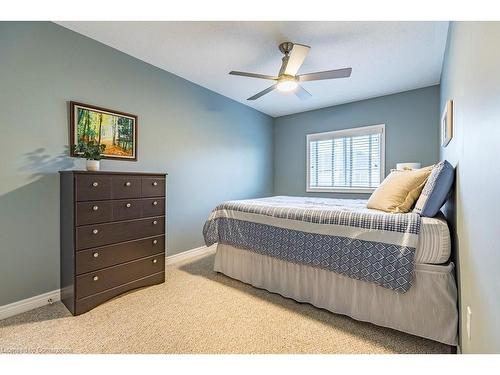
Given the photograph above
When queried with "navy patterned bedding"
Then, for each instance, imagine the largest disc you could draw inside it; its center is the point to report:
(340, 235)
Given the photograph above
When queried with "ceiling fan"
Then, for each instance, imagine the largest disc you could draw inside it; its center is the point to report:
(287, 79)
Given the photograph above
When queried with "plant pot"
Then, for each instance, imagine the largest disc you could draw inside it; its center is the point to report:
(93, 165)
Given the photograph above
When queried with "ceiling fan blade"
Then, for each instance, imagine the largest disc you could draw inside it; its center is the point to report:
(262, 93)
(252, 75)
(328, 74)
(302, 93)
(296, 58)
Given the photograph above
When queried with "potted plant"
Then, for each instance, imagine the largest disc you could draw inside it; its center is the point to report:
(92, 151)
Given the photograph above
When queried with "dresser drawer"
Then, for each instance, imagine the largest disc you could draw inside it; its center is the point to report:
(153, 207)
(126, 187)
(106, 256)
(93, 212)
(153, 186)
(127, 209)
(88, 236)
(88, 303)
(92, 187)
(98, 281)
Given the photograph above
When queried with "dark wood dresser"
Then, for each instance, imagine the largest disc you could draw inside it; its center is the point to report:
(112, 235)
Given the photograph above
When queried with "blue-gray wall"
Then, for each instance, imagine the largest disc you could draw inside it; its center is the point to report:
(213, 148)
(471, 78)
(411, 122)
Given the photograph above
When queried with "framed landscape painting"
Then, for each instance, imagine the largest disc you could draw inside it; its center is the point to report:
(116, 130)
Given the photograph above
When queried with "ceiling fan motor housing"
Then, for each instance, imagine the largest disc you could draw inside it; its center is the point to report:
(286, 47)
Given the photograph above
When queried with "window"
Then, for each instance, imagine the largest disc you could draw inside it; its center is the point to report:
(350, 160)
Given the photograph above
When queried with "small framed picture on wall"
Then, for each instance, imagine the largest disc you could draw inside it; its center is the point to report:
(447, 124)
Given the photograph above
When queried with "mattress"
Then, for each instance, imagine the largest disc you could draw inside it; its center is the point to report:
(434, 243)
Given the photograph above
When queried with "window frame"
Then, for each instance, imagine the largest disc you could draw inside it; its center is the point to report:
(350, 132)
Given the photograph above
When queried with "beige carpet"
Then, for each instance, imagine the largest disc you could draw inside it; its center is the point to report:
(199, 311)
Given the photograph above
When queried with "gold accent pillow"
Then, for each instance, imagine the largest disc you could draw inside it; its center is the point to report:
(400, 190)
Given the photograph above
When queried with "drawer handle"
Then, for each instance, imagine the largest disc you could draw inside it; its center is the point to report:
(127, 183)
(95, 278)
(155, 203)
(96, 254)
(128, 205)
(155, 261)
(95, 184)
(95, 231)
(155, 222)
(95, 208)
(155, 183)
(155, 242)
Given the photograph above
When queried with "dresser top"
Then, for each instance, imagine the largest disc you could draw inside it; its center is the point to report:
(114, 172)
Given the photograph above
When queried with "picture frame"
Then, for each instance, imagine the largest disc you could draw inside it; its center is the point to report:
(447, 124)
(115, 129)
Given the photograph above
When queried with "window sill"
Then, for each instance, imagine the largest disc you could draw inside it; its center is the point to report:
(339, 190)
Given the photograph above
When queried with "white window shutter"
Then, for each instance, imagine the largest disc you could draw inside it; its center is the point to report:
(346, 160)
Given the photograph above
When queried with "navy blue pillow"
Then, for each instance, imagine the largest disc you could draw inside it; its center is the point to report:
(436, 190)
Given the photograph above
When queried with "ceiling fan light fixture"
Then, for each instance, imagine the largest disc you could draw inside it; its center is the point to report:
(286, 85)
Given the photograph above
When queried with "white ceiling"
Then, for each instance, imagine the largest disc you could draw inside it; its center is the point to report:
(386, 57)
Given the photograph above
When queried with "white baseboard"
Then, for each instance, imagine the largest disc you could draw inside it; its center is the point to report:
(28, 304)
(202, 250)
(31, 303)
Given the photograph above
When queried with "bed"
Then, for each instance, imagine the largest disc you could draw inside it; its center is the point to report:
(392, 270)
